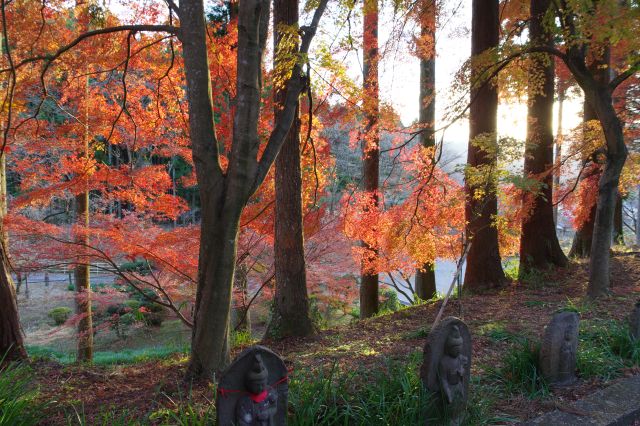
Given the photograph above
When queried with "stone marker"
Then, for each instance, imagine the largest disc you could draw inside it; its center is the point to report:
(559, 348)
(446, 366)
(634, 322)
(253, 390)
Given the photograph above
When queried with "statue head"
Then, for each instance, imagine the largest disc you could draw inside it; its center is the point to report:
(256, 378)
(453, 345)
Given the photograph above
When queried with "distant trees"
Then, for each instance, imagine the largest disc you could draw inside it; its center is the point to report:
(483, 269)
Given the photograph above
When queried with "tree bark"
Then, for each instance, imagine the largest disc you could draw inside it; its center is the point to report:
(224, 195)
(425, 284)
(290, 315)
(82, 270)
(583, 238)
(618, 224)
(599, 262)
(638, 219)
(371, 150)
(484, 269)
(557, 161)
(539, 246)
(11, 344)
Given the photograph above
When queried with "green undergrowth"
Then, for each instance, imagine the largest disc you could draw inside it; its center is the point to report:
(19, 404)
(121, 357)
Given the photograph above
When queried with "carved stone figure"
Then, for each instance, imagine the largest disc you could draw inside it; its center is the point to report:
(446, 367)
(559, 349)
(634, 322)
(253, 390)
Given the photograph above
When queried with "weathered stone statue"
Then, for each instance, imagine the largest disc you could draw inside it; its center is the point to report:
(634, 322)
(559, 349)
(253, 390)
(446, 367)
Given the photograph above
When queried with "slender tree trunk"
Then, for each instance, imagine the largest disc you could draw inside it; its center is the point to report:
(426, 276)
(539, 246)
(484, 269)
(638, 219)
(82, 270)
(223, 195)
(618, 224)
(291, 301)
(371, 153)
(11, 344)
(599, 262)
(583, 238)
(558, 153)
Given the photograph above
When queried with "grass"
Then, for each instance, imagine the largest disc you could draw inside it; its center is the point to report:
(606, 347)
(124, 356)
(520, 371)
(18, 397)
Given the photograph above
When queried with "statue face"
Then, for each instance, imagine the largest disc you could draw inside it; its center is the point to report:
(256, 386)
(453, 345)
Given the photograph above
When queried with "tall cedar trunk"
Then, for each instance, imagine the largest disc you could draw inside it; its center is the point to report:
(582, 239)
(291, 302)
(426, 276)
(11, 345)
(539, 246)
(557, 160)
(618, 224)
(484, 269)
(371, 151)
(82, 270)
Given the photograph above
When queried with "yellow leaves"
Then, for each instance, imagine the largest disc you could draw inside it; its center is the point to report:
(286, 56)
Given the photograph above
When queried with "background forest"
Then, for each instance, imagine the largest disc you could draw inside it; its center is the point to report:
(179, 180)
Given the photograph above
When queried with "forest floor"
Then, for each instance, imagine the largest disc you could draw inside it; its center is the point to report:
(367, 346)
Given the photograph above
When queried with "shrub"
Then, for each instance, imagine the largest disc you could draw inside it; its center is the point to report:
(60, 315)
(138, 266)
(390, 301)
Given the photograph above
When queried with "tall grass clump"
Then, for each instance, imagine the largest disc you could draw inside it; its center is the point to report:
(520, 370)
(391, 396)
(18, 396)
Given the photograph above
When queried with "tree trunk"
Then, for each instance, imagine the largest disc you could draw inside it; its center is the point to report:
(638, 219)
(599, 271)
(583, 238)
(484, 269)
(426, 276)
(539, 246)
(218, 225)
(82, 272)
(557, 161)
(371, 153)
(291, 302)
(11, 344)
(618, 224)
(223, 195)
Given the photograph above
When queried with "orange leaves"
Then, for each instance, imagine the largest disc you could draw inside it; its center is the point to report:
(426, 225)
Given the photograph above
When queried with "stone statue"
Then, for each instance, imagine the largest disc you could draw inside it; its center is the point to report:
(559, 349)
(634, 322)
(446, 367)
(253, 390)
